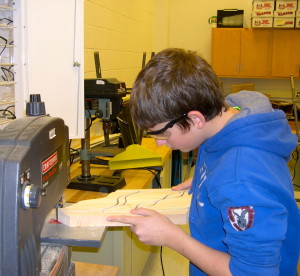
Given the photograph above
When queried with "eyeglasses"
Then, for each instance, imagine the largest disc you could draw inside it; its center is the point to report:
(157, 134)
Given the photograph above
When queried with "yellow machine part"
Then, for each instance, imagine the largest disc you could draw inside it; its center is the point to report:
(135, 156)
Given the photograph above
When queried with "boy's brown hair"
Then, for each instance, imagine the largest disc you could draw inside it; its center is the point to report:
(172, 83)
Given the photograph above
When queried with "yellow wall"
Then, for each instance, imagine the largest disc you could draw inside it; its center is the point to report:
(189, 27)
(120, 30)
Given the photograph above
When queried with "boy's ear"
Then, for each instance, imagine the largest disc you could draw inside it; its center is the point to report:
(197, 118)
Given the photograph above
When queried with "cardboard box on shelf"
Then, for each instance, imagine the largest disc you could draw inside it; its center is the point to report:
(262, 13)
(290, 5)
(262, 22)
(262, 5)
(297, 22)
(284, 22)
(297, 19)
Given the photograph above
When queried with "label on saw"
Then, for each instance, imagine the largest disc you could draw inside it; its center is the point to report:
(51, 166)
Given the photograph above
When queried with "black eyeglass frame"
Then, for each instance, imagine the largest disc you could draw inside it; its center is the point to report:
(167, 126)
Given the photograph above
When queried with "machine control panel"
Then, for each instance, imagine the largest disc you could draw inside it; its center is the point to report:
(31, 196)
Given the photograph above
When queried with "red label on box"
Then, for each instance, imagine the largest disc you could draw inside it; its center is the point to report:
(265, 21)
(261, 22)
(284, 13)
(262, 13)
(263, 5)
(286, 5)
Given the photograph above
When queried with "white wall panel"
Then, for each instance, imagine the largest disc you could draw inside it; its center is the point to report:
(53, 42)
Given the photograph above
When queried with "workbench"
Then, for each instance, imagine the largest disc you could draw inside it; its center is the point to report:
(119, 246)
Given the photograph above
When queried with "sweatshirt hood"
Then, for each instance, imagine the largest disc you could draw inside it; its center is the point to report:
(257, 125)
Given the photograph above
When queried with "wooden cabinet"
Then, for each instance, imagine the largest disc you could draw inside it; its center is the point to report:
(255, 53)
(285, 53)
(226, 51)
(240, 52)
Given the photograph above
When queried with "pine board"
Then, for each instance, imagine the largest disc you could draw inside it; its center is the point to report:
(173, 204)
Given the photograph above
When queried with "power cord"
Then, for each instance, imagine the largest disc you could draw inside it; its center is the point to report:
(73, 153)
(8, 74)
(6, 110)
(161, 261)
(156, 177)
(90, 116)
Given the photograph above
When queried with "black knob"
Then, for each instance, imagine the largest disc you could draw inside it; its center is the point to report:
(98, 114)
(35, 107)
(35, 98)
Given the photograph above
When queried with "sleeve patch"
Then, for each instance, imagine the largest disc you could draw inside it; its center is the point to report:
(241, 218)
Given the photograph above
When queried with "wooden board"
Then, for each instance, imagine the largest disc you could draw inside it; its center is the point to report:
(173, 204)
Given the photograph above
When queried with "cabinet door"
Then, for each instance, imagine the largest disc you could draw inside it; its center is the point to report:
(226, 51)
(255, 53)
(286, 54)
(53, 58)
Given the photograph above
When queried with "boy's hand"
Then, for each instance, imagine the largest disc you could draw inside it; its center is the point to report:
(151, 227)
(186, 185)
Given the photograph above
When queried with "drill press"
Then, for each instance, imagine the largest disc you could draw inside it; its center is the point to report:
(103, 100)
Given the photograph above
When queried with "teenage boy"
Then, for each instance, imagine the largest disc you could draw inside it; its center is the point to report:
(243, 216)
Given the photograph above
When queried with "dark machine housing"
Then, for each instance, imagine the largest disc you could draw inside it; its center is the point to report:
(34, 171)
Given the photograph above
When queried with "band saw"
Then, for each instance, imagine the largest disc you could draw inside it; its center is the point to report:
(34, 171)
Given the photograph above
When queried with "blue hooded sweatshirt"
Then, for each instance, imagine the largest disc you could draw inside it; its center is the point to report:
(243, 198)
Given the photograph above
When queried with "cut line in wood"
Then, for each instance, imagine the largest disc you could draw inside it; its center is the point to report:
(94, 212)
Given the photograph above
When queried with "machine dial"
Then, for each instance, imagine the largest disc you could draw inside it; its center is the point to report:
(99, 114)
(31, 196)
